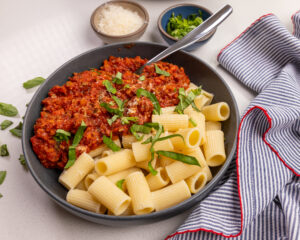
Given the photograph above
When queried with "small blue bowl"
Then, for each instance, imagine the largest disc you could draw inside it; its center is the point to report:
(185, 10)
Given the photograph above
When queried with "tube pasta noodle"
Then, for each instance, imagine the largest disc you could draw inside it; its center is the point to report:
(196, 182)
(141, 151)
(170, 195)
(127, 141)
(216, 112)
(199, 119)
(114, 178)
(139, 192)
(214, 149)
(127, 212)
(209, 125)
(90, 178)
(172, 122)
(98, 151)
(106, 153)
(192, 138)
(165, 161)
(144, 164)
(168, 110)
(158, 181)
(115, 162)
(72, 176)
(109, 195)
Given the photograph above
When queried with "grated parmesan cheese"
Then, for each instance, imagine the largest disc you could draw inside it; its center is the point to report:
(116, 20)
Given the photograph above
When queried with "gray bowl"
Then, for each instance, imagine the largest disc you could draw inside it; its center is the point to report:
(199, 72)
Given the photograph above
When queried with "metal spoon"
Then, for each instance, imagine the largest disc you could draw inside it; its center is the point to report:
(199, 32)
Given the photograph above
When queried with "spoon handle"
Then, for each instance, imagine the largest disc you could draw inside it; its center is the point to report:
(202, 30)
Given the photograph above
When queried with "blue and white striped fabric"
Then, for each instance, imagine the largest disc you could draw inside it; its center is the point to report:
(259, 198)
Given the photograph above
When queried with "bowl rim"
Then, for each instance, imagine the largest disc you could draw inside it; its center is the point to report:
(154, 215)
(161, 29)
(141, 29)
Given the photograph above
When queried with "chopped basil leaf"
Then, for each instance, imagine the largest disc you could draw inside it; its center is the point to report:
(169, 136)
(22, 160)
(8, 110)
(160, 71)
(125, 120)
(152, 97)
(71, 156)
(135, 129)
(17, 131)
(180, 157)
(4, 151)
(193, 122)
(62, 135)
(111, 144)
(33, 82)
(142, 78)
(118, 78)
(111, 110)
(5, 124)
(126, 86)
(120, 183)
(109, 87)
(119, 102)
(151, 169)
(111, 120)
(2, 176)
(1, 195)
(148, 140)
(152, 125)
(111, 103)
(187, 100)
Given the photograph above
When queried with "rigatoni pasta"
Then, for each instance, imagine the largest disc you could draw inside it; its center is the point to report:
(172, 122)
(216, 112)
(214, 148)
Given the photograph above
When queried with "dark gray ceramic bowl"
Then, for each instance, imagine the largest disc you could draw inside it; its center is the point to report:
(198, 71)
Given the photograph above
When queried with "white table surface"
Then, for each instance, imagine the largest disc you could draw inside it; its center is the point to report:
(36, 37)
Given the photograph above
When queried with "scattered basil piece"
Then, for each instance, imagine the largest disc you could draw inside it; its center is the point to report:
(148, 140)
(111, 110)
(8, 110)
(187, 100)
(160, 71)
(152, 97)
(22, 160)
(5, 124)
(111, 144)
(135, 129)
(33, 82)
(125, 120)
(119, 102)
(111, 120)
(17, 131)
(180, 157)
(4, 151)
(120, 183)
(151, 169)
(169, 136)
(193, 122)
(109, 87)
(62, 135)
(154, 125)
(72, 149)
(142, 78)
(1, 195)
(2, 176)
(118, 78)
(126, 86)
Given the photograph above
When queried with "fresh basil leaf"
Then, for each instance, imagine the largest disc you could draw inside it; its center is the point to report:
(109, 87)
(111, 110)
(111, 120)
(160, 71)
(1, 195)
(169, 136)
(111, 144)
(62, 135)
(22, 160)
(179, 157)
(193, 122)
(152, 125)
(148, 140)
(71, 156)
(8, 110)
(135, 129)
(152, 97)
(187, 100)
(142, 78)
(125, 120)
(79, 134)
(120, 183)
(33, 82)
(151, 169)
(4, 151)
(5, 124)
(118, 78)
(119, 102)
(126, 86)
(17, 131)
(2, 176)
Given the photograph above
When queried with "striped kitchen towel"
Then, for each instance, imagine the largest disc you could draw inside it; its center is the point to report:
(259, 198)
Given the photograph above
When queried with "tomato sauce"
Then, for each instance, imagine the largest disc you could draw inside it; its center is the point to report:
(79, 100)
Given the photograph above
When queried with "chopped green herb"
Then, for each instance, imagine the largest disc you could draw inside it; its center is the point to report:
(5, 124)
(8, 110)
(109, 87)
(160, 71)
(120, 183)
(22, 160)
(111, 120)
(111, 110)
(111, 144)
(179, 157)
(193, 122)
(33, 82)
(152, 97)
(142, 78)
(187, 100)
(1, 195)
(71, 156)
(111, 103)
(4, 151)
(125, 120)
(178, 26)
(126, 86)
(62, 135)
(17, 131)
(118, 78)
(119, 102)
(2, 176)
(135, 129)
